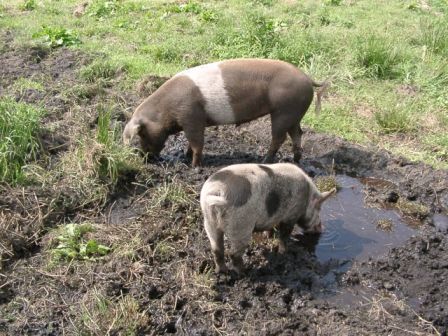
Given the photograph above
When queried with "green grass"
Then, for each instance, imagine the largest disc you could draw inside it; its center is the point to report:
(368, 49)
(396, 119)
(90, 170)
(100, 70)
(56, 36)
(378, 56)
(28, 5)
(71, 244)
(19, 144)
(434, 34)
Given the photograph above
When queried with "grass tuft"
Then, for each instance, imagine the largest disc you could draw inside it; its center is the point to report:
(174, 195)
(396, 119)
(385, 224)
(258, 37)
(103, 8)
(28, 5)
(413, 209)
(326, 183)
(378, 56)
(333, 2)
(99, 315)
(101, 69)
(92, 168)
(19, 144)
(434, 34)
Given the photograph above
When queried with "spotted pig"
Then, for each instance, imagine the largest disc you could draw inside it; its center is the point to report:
(244, 198)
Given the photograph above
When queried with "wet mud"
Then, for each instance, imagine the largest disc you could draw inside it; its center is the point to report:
(357, 278)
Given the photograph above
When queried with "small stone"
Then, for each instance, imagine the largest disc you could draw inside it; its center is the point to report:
(387, 285)
(440, 223)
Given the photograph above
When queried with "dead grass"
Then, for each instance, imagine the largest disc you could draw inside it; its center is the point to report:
(388, 308)
(412, 209)
(326, 183)
(149, 84)
(385, 225)
(98, 315)
(24, 215)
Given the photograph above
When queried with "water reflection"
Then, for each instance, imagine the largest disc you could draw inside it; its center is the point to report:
(351, 227)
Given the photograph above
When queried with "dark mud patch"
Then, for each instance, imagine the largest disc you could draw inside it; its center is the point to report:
(169, 271)
(417, 272)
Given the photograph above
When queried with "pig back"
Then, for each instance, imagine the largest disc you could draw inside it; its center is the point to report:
(259, 196)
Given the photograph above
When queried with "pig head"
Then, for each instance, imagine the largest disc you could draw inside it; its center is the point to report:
(227, 92)
(243, 198)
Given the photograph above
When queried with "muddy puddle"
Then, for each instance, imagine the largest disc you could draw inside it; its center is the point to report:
(354, 231)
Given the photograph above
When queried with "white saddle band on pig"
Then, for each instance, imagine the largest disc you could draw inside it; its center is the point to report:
(208, 78)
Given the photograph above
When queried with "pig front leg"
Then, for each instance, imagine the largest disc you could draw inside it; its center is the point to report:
(195, 137)
(285, 230)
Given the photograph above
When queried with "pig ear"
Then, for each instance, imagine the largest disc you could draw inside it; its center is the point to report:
(325, 195)
(130, 131)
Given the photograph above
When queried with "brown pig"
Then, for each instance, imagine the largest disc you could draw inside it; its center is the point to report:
(243, 198)
(227, 92)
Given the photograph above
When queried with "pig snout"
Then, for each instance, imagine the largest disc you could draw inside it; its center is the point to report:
(319, 228)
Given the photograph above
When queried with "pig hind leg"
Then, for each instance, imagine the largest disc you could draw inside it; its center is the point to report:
(280, 126)
(189, 153)
(295, 132)
(283, 121)
(216, 237)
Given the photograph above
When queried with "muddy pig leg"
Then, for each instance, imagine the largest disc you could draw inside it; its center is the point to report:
(238, 248)
(216, 237)
(285, 230)
(195, 137)
(189, 153)
(279, 127)
(295, 132)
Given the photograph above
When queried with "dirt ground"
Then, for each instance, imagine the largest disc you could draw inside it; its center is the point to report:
(159, 277)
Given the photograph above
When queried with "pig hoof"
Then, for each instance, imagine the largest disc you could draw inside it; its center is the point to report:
(237, 269)
(221, 269)
(297, 157)
(268, 159)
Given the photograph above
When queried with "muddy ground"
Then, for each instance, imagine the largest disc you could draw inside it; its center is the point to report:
(159, 278)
